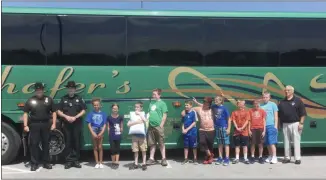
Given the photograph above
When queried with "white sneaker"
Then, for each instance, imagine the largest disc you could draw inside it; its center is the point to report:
(97, 166)
(274, 160)
(269, 159)
(101, 166)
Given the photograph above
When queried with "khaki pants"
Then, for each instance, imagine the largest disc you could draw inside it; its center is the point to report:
(291, 134)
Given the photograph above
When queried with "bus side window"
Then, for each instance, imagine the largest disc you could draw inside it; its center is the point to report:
(165, 41)
(90, 41)
(303, 42)
(242, 42)
(21, 43)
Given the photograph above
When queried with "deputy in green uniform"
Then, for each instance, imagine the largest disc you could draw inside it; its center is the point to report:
(37, 115)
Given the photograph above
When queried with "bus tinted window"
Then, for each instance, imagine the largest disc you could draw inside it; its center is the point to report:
(242, 42)
(165, 41)
(22, 39)
(303, 42)
(91, 41)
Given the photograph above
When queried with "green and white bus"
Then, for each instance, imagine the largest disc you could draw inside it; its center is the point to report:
(121, 55)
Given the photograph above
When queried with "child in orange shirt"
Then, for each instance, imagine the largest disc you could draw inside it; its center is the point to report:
(240, 119)
(257, 126)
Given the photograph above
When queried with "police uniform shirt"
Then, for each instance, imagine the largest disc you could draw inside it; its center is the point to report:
(39, 109)
(72, 106)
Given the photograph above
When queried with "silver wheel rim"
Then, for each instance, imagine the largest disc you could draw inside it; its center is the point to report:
(4, 144)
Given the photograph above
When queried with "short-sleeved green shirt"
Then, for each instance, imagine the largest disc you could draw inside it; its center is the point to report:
(156, 111)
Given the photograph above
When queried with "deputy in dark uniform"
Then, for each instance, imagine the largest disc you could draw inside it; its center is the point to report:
(72, 107)
(37, 115)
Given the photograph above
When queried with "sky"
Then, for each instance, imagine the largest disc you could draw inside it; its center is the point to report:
(204, 6)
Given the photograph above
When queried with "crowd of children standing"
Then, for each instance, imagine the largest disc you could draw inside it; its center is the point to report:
(257, 125)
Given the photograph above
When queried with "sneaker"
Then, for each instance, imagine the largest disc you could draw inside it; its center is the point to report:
(219, 161)
(285, 161)
(97, 166)
(144, 167)
(261, 160)
(195, 162)
(185, 161)
(269, 159)
(150, 161)
(274, 160)
(246, 161)
(252, 160)
(226, 161)
(235, 161)
(101, 166)
(211, 159)
(164, 162)
(297, 162)
(133, 166)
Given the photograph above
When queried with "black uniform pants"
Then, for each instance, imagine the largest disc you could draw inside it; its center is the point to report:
(39, 132)
(72, 133)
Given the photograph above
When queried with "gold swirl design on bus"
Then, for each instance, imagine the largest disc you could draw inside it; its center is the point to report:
(174, 73)
(314, 84)
(312, 112)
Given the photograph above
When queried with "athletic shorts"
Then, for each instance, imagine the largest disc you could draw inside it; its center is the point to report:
(155, 135)
(206, 140)
(138, 144)
(256, 137)
(189, 141)
(221, 136)
(271, 135)
(97, 130)
(240, 140)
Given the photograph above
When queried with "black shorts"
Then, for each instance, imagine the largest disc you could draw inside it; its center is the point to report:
(206, 140)
(256, 136)
(240, 140)
(115, 147)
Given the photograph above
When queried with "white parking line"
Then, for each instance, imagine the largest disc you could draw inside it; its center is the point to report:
(39, 169)
(16, 169)
(169, 165)
(17, 172)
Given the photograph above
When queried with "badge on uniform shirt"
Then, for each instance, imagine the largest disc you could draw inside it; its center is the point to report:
(77, 100)
(33, 102)
(70, 104)
(293, 103)
(46, 100)
(65, 101)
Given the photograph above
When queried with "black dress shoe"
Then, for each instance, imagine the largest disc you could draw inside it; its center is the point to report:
(76, 164)
(67, 165)
(47, 166)
(297, 162)
(33, 167)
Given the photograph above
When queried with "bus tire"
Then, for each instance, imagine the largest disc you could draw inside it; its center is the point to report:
(10, 143)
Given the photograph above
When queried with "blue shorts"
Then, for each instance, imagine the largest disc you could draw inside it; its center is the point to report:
(221, 136)
(97, 130)
(270, 135)
(189, 141)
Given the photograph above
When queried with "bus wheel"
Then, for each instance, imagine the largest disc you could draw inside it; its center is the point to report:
(10, 143)
(56, 143)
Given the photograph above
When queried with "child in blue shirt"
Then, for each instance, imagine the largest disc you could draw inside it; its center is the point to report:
(96, 124)
(189, 132)
(222, 124)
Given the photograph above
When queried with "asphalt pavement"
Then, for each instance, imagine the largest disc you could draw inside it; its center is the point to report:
(313, 166)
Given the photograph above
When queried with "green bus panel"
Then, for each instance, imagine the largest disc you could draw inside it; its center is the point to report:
(126, 85)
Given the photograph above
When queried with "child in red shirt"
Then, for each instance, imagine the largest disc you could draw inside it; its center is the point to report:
(257, 126)
(240, 119)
